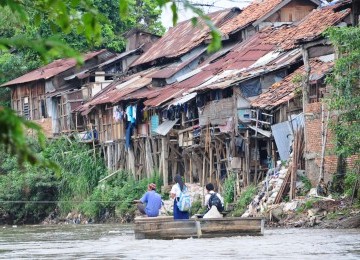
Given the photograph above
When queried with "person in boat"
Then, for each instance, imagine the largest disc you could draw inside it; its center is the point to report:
(176, 189)
(150, 203)
(214, 203)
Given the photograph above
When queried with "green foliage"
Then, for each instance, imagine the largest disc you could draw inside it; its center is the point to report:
(229, 188)
(26, 192)
(307, 205)
(307, 185)
(79, 171)
(350, 181)
(197, 207)
(345, 96)
(13, 138)
(244, 200)
(116, 196)
(71, 184)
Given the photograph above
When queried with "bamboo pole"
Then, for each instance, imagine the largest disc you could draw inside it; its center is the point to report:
(247, 157)
(203, 176)
(324, 127)
(211, 162)
(190, 170)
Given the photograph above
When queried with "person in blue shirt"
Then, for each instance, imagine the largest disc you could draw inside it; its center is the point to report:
(150, 203)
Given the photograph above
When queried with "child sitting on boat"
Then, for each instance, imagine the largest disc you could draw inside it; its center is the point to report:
(214, 203)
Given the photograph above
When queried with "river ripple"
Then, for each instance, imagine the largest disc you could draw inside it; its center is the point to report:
(118, 242)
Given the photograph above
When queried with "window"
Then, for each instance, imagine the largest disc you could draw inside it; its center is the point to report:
(43, 112)
(26, 107)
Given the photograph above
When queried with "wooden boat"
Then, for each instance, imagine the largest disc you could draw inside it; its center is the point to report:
(167, 228)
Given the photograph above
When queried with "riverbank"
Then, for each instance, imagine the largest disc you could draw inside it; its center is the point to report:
(319, 213)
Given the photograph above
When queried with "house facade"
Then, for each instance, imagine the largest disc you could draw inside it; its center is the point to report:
(172, 107)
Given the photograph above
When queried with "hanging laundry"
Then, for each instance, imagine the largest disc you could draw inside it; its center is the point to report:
(128, 136)
(134, 113)
(129, 111)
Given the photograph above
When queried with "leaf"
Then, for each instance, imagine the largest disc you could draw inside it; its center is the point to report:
(194, 21)
(123, 8)
(174, 13)
(215, 43)
(37, 19)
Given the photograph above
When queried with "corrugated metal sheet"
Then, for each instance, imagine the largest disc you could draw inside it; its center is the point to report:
(182, 38)
(124, 89)
(283, 138)
(182, 100)
(163, 96)
(297, 121)
(244, 54)
(250, 14)
(177, 89)
(51, 69)
(175, 67)
(283, 91)
(165, 127)
(85, 73)
(312, 26)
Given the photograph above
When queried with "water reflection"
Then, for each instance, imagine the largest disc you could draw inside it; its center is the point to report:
(118, 242)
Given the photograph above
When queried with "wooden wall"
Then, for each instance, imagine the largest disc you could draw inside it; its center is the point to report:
(34, 92)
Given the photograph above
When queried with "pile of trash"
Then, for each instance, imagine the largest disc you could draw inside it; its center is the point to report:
(268, 191)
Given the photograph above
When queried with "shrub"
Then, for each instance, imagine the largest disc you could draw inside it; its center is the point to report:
(244, 200)
(229, 188)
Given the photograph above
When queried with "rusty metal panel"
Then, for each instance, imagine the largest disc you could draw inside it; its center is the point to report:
(253, 12)
(183, 37)
(52, 69)
(283, 91)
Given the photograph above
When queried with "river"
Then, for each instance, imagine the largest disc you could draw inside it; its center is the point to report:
(118, 242)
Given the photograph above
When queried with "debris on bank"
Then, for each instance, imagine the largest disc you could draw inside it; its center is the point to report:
(311, 210)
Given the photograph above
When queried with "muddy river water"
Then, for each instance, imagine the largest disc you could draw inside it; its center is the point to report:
(118, 242)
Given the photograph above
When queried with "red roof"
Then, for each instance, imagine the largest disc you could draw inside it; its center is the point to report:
(51, 69)
(312, 26)
(250, 14)
(177, 89)
(243, 54)
(283, 91)
(182, 38)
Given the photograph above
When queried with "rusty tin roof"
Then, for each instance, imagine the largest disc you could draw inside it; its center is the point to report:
(283, 91)
(52, 69)
(183, 37)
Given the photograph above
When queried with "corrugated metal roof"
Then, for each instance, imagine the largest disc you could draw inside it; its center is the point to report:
(177, 89)
(283, 91)
(163, 96)
(250, 14)
(122, 90)
(254, 13)
(51, 69)
(244, 54)
(182, 100)
(312, 26)
(165, 127)
(175, 67)
(85, 73)
(182, 38)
